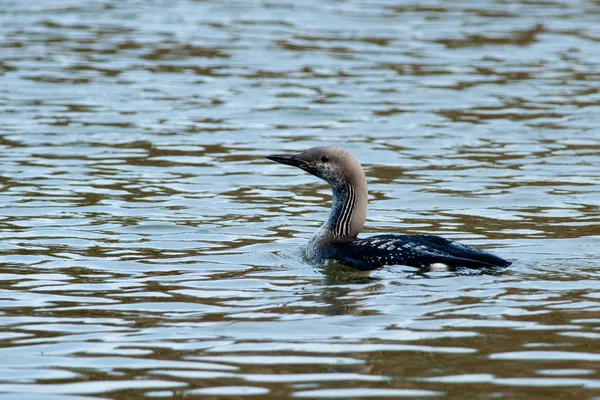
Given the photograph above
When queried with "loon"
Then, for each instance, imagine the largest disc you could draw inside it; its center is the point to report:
(337, 239)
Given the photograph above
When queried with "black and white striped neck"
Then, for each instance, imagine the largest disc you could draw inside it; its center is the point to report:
(343, 207)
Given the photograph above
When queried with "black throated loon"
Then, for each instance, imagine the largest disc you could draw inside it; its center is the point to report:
(337, 238)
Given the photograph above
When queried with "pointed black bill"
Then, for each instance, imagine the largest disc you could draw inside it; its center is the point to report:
(288, 159)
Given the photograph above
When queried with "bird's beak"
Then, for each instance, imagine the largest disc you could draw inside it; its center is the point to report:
(288, 159)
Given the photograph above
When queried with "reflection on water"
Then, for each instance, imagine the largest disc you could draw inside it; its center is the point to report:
(149, 251)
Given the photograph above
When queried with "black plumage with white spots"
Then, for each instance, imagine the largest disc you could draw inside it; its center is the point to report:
(413, 250)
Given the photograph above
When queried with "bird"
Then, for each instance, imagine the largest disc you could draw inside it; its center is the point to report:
(337, 239)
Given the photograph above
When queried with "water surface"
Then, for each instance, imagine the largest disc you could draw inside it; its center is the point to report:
(148, 250)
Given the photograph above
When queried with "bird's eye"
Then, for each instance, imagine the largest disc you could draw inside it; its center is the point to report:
(324, 158)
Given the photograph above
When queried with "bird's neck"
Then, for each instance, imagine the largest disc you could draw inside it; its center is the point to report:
(348, 211)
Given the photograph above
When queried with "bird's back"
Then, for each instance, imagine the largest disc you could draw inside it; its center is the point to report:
(413, 250)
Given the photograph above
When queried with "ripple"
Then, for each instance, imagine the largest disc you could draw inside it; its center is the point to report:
(89, 387)
(545, 355)
(229, 391)
(366, 392)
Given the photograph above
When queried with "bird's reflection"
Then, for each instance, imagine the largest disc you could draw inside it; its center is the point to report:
(339, 283)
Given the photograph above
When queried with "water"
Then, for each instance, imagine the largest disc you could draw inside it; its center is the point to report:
(149, 251)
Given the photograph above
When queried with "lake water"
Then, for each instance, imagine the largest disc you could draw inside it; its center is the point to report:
(148, 250)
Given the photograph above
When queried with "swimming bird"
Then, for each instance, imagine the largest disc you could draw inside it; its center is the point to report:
(338, 240)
